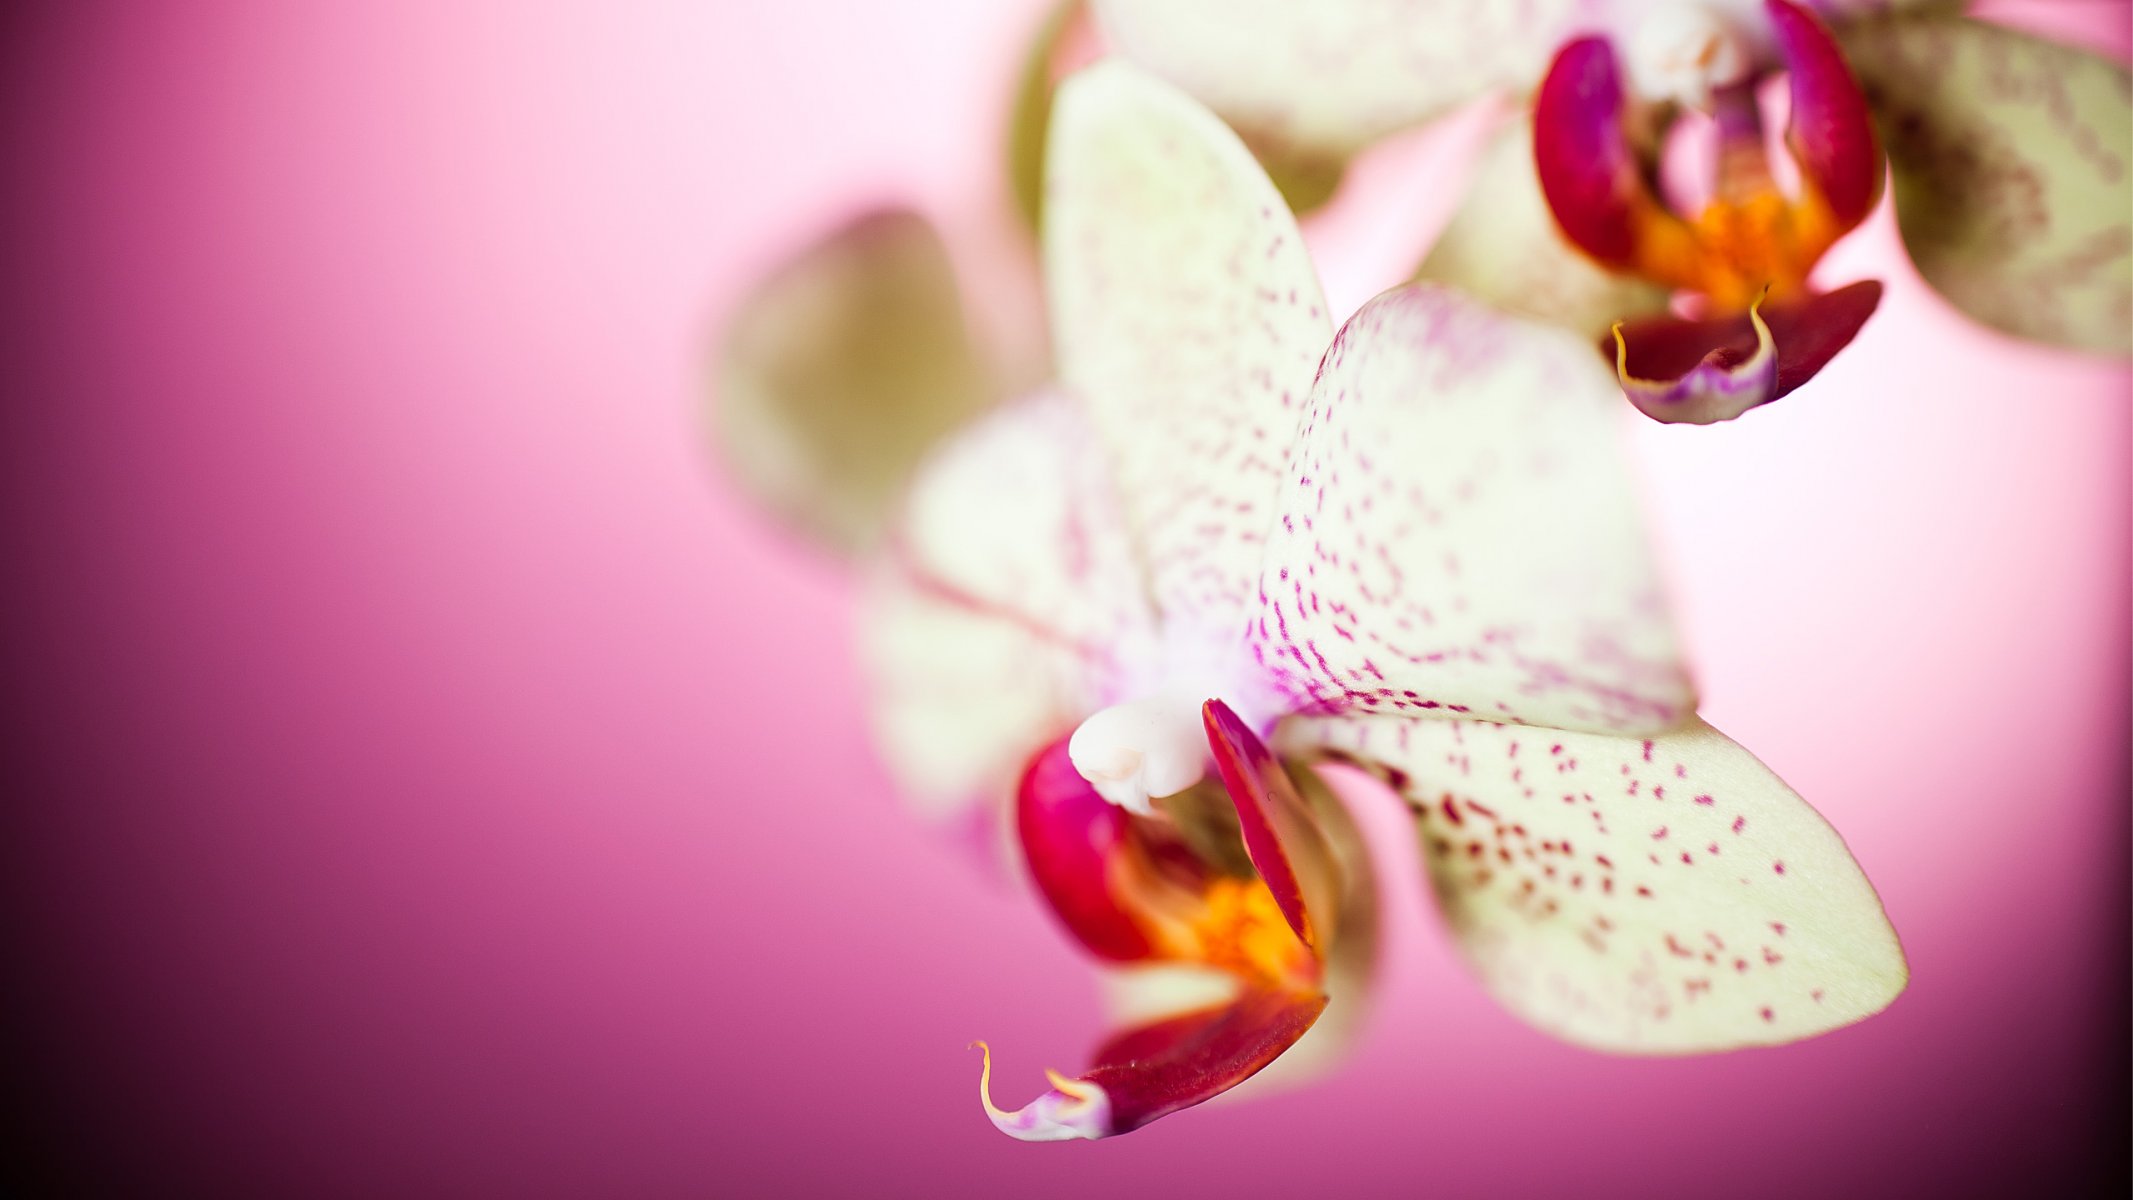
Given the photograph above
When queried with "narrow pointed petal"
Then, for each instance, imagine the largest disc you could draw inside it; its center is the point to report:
(1832, 133)
(1660, 896)
(1334, 75)
(1702, 371)
(997, 614)
(1503, 246)
(1155, 1070)
(1459, 535)
(1187, 318)
(1075, 843)
(1286, 846)
(2013, 186)
(840, 371)
(1593, 179)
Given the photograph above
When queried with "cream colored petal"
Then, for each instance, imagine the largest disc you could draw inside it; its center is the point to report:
(1662, 896)
(2013, 167)
(839, 371)
(1504, 247)
(1187, 318)
(1458, 534)
(1331, 76)
(994, 617)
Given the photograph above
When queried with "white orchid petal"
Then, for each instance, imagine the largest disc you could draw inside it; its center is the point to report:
(840, 371)
(1187, 318)
(2013, 174)
(996, 616)
(1660, 896)
(1504, 246)
(1458, 535)
(1334, 75)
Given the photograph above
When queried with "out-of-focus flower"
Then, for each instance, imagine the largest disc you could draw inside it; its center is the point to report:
(1414, 549)
(849, 361)
(1762, 331)
(2009, 155)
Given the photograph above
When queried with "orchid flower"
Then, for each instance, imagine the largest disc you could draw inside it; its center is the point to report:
(2011, 176)
(1232, 545)
(1751, 243)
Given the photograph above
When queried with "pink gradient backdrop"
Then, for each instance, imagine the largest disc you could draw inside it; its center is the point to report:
(430, 780)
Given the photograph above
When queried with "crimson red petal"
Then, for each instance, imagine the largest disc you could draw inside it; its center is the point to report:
(1157, 1069)
(1832, 132)
(1587, 168)
(1154, 1070)
(1073, 838)
(1284, 842)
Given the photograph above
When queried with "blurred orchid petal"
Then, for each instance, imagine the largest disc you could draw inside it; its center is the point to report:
(1594, 180)
(1832, 134)
(1075, 842)
(1662, 896)
(1458, 534)
(1330, 77)
(840, 371)
(996, 614)
(1696, 372)
(2011, 166)
(1503, 246)
(1030, 121)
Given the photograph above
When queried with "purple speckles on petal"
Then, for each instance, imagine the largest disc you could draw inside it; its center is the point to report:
(1440, 420)
(1663, 953)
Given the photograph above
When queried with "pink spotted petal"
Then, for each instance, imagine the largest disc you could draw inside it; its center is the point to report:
(1697, 372)
(998, 613)
(1187, 319)
(1832, 134)
(1284, 841)
(1155, 1070)
(1459, 534)
(1640, 896)
(2012, 162)
(1590, 174)
(1075, 842)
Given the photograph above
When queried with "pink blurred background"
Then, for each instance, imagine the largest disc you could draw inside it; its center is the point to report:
(428, 778)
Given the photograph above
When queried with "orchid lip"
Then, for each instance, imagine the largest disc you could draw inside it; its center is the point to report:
(1703, 371)
(1073, 1109)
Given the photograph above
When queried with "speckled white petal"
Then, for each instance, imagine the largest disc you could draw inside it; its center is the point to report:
(1188, 320)
(997, 613)
(1458, 533)
(1333, 75)
(2013, 169)
(840, 371)
(1663, 896)
(1503, 246)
